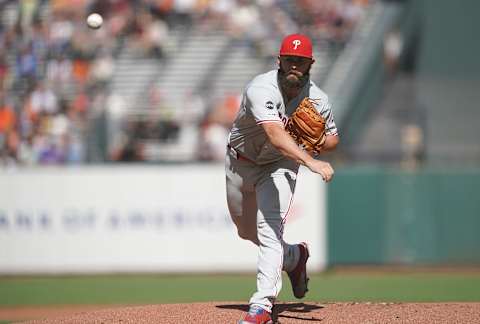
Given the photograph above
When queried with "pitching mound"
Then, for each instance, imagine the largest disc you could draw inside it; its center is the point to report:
(328, 313)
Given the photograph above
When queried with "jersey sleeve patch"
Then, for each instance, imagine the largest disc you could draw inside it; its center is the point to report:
(269, 105)
(261, 102)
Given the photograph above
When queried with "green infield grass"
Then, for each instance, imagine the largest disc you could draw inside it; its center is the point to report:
(154, 289)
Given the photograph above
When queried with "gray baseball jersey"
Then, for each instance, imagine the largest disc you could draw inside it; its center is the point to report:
(259, 194)
(263, 102)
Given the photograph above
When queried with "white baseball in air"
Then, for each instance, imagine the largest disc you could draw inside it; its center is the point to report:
(94, 21)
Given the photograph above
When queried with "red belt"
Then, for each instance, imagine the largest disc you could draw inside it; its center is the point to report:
(237, 155)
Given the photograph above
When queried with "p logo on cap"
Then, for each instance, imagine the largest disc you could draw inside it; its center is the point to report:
(296, 45)
(296, 42)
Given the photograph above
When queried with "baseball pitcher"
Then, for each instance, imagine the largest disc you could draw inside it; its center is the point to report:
(284, 121)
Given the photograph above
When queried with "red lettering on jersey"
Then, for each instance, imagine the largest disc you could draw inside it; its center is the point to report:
(284, 118)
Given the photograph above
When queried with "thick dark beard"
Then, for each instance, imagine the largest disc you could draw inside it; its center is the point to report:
(288, 84)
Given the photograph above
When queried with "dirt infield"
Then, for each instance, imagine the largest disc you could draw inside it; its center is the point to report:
(230, 312)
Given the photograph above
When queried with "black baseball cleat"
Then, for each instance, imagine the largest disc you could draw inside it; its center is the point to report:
(298, 276)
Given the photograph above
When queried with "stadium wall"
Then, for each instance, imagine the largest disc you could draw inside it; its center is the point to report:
(383, 216)
(136, 219)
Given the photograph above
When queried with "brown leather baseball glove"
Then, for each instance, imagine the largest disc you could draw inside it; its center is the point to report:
(307, 126)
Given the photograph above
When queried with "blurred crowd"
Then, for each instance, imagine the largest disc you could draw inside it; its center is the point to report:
(264, 22)
(55, 71)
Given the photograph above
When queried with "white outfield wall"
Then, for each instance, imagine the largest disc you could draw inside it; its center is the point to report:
(137, 219)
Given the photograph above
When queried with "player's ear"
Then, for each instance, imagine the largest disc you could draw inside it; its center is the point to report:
(278, 60)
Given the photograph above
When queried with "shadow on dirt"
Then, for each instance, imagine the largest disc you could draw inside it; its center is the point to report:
(280, 308)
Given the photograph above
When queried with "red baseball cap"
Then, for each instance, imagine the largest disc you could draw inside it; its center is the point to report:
(296, 45)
